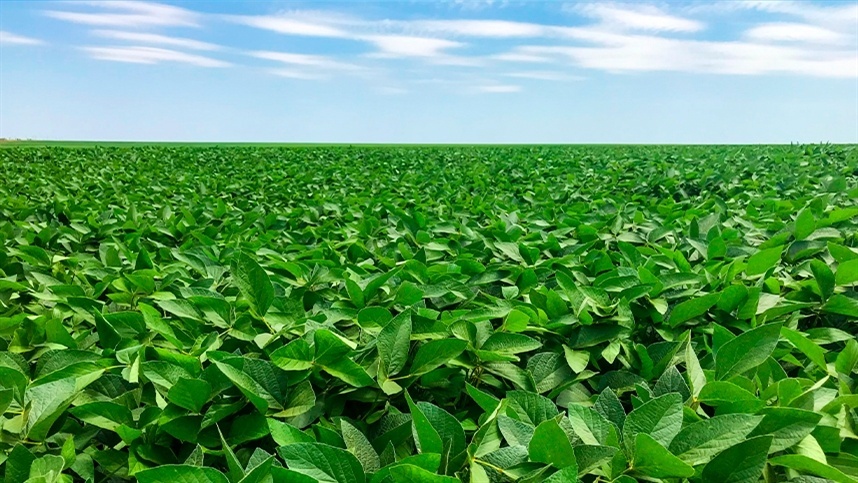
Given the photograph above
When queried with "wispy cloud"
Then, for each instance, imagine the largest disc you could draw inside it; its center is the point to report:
(408, 46)
(637, 17)
(297, 74)
(544, 75)
(782, 37)
(147, 38)
(151, 55)
(794, 32)
(8, 38)
(297, 23)
(476, 28)
(130, 14)
(649, 53)
(303, 60)
(631, 38)
(844, 15)
(306, 67)
(498, 88)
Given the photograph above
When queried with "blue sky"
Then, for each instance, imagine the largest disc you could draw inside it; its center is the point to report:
(464, 71)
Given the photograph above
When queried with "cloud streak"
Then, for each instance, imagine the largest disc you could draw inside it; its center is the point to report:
(157, 39)
(791, 38)
(151, 55)
(498, 89)
(129, 14)
(637, 17)
(8, 38)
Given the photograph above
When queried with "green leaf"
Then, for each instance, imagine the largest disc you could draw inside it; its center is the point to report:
(530, 407)
(590, 457)
(804, 464)
(847, 272)
(180, 474)
(654, 461)
(842, 305)
(508, 343)
(787, 426)
(805, 223)
(191, 394)
(284, 433)
(763, 260)
(48, 401)
(325, 463)
(847, 359)
(349, 372)
(329, 348)
(282, 475)
(484, 400)
(258, 472)
(741, 463)
(692, 308)
(241, 372)
(426, 437)
(824, 278)
(608, 405)
(236, 472)
(394, 342)
(698, 443)
(660, 418)
(355, 293)
(103, 414)
(449, 429)
(253, 282)
(746, 351)
(718, 393)
(549, 370)
(516, 321)
(577, 360)
(551, 445)
(297, 355)
(717, 248)
(515, 432)
(566, 475)
(154, 322)
(405, 473)
(359, 445)
(806, 346)
(592, 427)
(408, 294)
(435, 353)
(671, 381)
(18, 464)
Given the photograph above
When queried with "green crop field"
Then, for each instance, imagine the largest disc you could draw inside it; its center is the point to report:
(359, 314)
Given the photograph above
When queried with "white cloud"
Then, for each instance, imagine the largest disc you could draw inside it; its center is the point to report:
(291, 25)
(651, 53)
(544, 75)
(297, 74)
(147, 38)
(498, 88)
(303, 60)
(131, 14)
(629, 38)
(845, 15)
(8, 38)
(519, 55)
(794, 32)
(477, 28)
(151, 55)
(637, 17)
(794, 38)
(408, 46)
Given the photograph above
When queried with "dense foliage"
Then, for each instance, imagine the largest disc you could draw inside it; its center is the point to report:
(429, 314)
